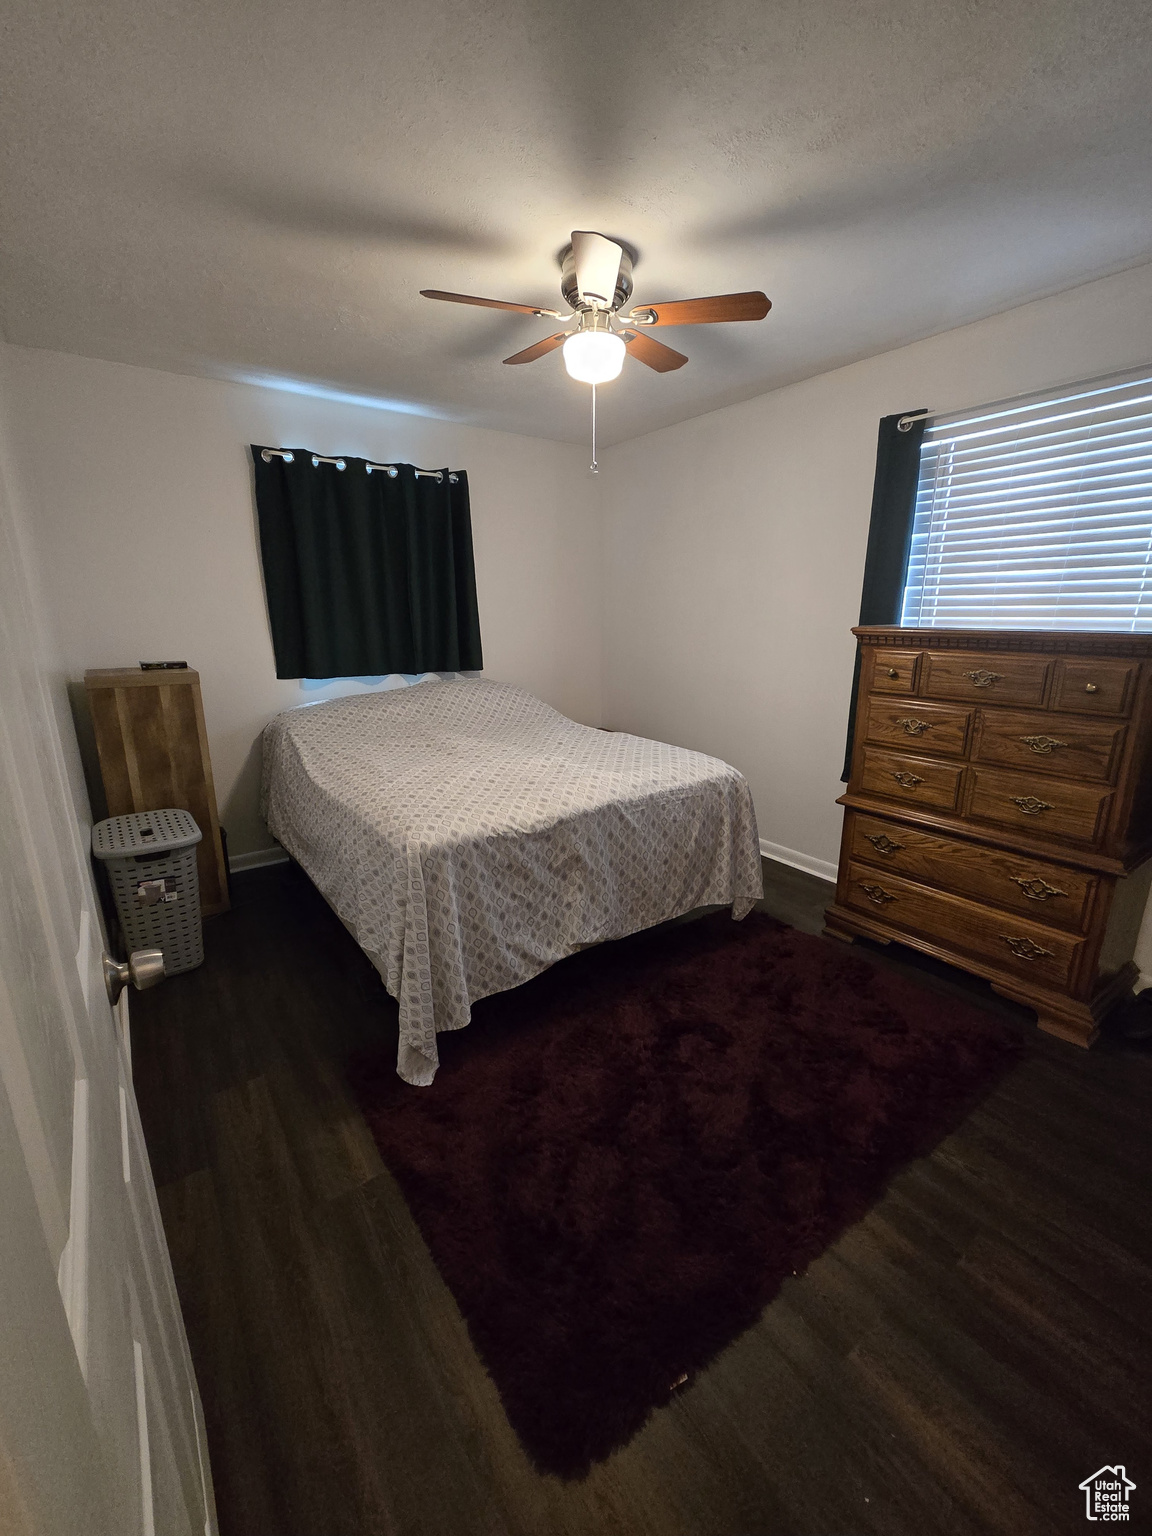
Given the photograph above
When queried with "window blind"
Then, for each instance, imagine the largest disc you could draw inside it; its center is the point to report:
(1037, 515)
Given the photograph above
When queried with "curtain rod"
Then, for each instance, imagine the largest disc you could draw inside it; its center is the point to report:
(905, 422)
(391, 470)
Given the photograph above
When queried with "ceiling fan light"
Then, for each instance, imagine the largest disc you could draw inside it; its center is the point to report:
(594, 357)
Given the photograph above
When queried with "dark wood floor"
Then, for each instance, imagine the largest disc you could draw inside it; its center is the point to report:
(956, 1363)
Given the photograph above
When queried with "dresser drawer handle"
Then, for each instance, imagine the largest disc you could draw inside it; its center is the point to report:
(1043, 744)
(983, 678)
(1025, 949)
(876, 893)
(892, 672)
(1031, 806)
(1091, 688)
(915, 727)
(1035, 888)
(908, 780)
(882, 842)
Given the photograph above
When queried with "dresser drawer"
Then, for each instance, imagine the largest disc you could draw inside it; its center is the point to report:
(1048, 808)
(1055, 744)
(1004, 941)
(911, 780)
(923, 727)
(1095, 687)
(1049, 892)
(892, 671)
(980, 675)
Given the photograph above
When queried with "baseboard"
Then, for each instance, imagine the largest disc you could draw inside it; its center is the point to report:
(804, 861)
(262, 856)
(238, 862)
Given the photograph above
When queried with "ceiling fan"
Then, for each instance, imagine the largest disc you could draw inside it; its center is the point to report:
(596, 282)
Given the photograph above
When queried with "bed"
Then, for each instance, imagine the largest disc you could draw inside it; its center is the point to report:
(469, 836)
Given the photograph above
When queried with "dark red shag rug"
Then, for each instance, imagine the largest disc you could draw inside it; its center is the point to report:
(620, 1161)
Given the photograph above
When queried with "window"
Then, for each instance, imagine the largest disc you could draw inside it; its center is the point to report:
(365, 574)
(1037, 514)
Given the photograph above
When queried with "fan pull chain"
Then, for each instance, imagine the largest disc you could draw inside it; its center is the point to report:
(595, 469)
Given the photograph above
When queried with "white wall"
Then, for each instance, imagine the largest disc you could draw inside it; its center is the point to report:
(146, 538)
(43, 641)
(734, 545)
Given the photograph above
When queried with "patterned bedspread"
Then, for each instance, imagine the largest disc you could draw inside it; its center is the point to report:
(469, 836)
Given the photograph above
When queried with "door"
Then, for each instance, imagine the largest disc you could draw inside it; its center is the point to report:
(100, 1423)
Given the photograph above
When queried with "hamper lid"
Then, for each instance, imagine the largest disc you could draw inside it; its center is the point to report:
(123, 837)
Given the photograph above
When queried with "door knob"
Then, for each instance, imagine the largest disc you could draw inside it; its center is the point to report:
(143, 968)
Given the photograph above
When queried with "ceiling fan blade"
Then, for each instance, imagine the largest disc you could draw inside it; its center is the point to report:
(539, 349)
(646, 350)
(597, 263)
(725, 306)
(467, 298)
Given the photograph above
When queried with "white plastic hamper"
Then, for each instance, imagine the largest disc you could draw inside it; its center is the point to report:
(150, 857)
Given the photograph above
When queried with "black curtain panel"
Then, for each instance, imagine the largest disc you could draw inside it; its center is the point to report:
(889, 534)
(366, 573)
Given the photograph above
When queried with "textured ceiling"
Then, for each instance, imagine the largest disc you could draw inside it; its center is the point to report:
(259, 190)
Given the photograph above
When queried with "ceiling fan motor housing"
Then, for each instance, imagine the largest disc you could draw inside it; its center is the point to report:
(570, 289)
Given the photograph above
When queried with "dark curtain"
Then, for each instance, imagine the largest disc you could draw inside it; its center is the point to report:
(889, 536)
(366, 574)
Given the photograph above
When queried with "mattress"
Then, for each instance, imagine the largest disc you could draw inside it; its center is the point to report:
(468, 836)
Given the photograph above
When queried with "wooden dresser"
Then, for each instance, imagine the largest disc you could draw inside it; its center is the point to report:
(153, 748)
(999, 810)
